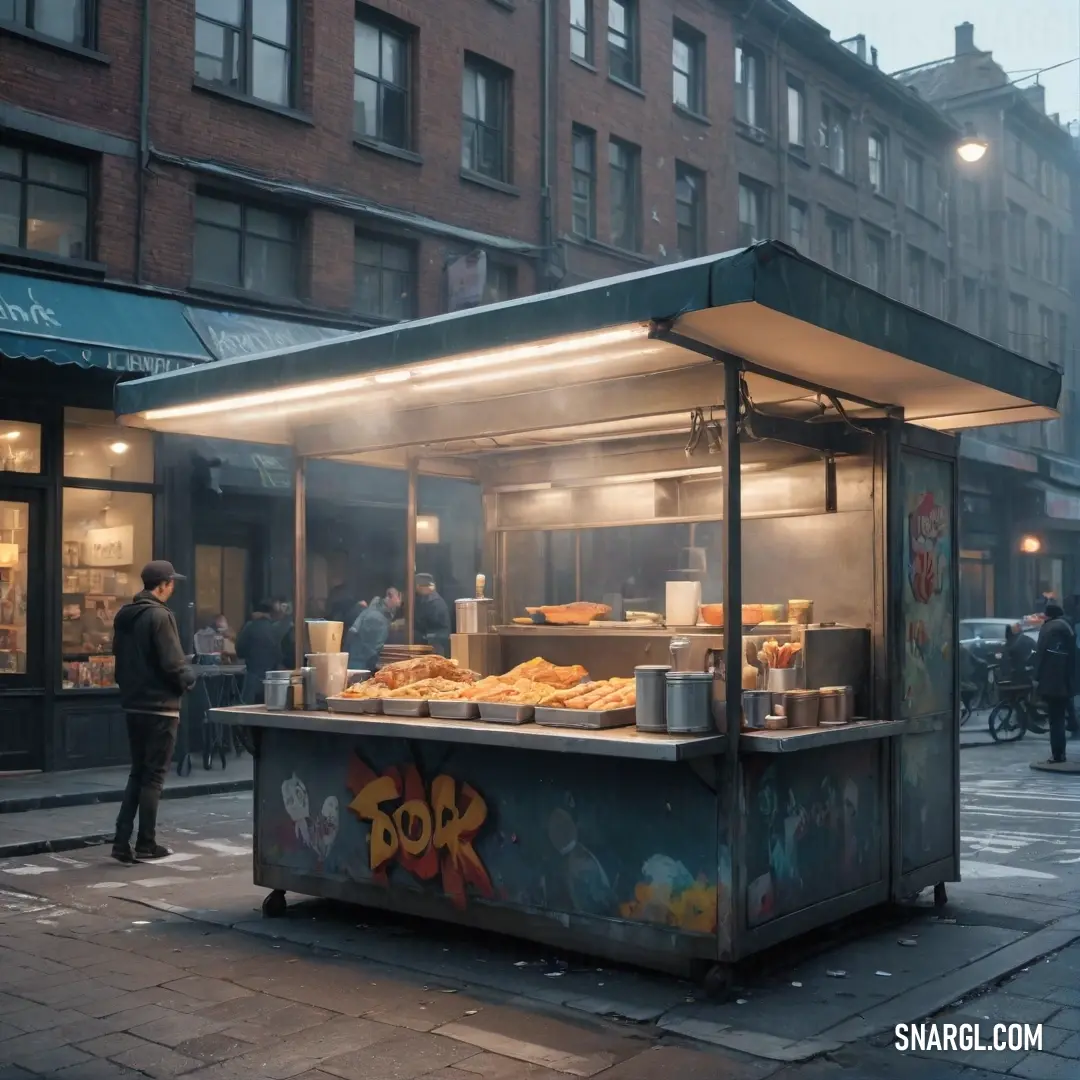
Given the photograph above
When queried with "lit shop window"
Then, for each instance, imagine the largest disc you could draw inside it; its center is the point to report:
(97, 449)
(20, 447)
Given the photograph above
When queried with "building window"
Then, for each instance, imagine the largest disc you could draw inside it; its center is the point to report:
(689, 211)
(246, 46)
(913, 183)
(750, 85)
(583, 181)
(581, 33)
(1014, 155)
(381, 83)
(1063, 341)
(385, 283)
(1018, 325)
(835, 123)
(839, 230)
(876, 145)
(1062, 261)
(971, 209)
(877, 262)
(69, 21)
(1043, 178)
(485, 92)
(624, 166)
(1044, 255)
(798, 216)
(500, 282)
(1046, 335)
(970, 313)
(753, 211)
(44, 203)
(243, 246)
(1017, 237)
(796, 115)
(938, 298)
(916, 278)
(688, 68)
(20, 447)
(622, 36)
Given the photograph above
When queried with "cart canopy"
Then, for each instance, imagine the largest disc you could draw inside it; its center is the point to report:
(622, 356)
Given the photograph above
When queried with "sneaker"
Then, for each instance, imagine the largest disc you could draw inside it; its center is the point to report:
(151, 851)
(122, 854)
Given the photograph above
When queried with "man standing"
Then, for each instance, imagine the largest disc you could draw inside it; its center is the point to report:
(432, 622)
(259, 645)
(368, 635)
(153, 674)
(1054, 667)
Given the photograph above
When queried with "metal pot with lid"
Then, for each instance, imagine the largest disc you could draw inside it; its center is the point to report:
(475, 614)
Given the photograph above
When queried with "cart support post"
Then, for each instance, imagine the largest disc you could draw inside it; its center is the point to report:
(733, 646)
(299, 560)
(410, 551)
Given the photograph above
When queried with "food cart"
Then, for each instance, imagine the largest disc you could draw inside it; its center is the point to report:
(798, 428)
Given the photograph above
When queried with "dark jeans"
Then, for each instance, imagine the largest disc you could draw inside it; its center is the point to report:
(1057, 707)
(152, 740)
(1070, 716)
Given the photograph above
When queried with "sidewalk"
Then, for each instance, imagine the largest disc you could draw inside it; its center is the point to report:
(55, 812)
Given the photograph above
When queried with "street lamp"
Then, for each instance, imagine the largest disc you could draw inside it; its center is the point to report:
(971, 148)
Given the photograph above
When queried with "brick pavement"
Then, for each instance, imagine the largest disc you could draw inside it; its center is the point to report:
(119, 992)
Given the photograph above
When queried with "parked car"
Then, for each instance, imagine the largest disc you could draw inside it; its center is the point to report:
(985, 638)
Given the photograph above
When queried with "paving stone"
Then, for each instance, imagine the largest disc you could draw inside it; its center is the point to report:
(108, 1046)
(1066, 1018)
(176, 1028)
(680, 1063)
(208, 990)
(405, 1056)
(496, 1067)
(9, 1004)
(289, 1020)
(1068, 1047)
(132, 1018)
(355, 1000)
(80, 1030)
(48, 1061)
(424, 1012)
(1064, 996)
(97, 1069)
(7, 1031)
(1046, 1067)
(160, 1062)
(15, 1072)
(215, 1047)
(1004, 1008)
(41, 1018)
(251, 1007)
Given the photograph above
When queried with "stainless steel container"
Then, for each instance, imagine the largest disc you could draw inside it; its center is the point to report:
(802, 708)
(474, 616)
(756, 706)
(308, 676)
(277, 690)
(689, 703)
(651, 688)
(833, 705)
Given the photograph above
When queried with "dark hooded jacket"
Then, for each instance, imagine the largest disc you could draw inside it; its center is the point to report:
(1055, 660)
(151, 668)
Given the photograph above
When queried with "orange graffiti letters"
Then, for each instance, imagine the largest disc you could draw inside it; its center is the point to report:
(426, 833)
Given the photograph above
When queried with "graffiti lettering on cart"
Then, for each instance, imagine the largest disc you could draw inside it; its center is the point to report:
(427, 832)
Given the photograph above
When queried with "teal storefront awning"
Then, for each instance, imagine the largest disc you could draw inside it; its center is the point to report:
(95, 327)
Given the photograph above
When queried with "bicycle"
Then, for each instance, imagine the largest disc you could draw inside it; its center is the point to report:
(1018, 712)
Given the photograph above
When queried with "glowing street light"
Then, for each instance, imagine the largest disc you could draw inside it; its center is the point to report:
(1030, 545)
(972, 149)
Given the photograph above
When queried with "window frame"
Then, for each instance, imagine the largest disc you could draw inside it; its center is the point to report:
(406, 35)
(915, 166)
(632, 172)
(248, 37)
(502, 78)
(1044, 252)
(1017, 323)
(831, 111)
(89, 34)
(916, 257)
(796, 87)
(697, 181)
(26, 148)
(803, 209)
(879, 137)
(757, 94)
(1016, 246)
(586, 30)
(838, 225)
(632, 39)
(694, 41)
(588, 136)
(246, 206)
(412, 273)
(938, 282)
(879, 241)
(758, 194)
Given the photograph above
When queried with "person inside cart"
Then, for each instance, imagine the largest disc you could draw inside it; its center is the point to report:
(1055, 666)
(432, 622)
(368, 635)
(259, 645)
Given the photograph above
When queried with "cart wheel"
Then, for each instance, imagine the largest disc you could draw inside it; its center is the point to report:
(941, 897)
(273, 905)
(183, 766)
(1004, 723)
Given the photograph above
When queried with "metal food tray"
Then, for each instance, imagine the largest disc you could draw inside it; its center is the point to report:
(454, 710)
(404, 706)
(500, 713)
(587, 719)
(348, 704)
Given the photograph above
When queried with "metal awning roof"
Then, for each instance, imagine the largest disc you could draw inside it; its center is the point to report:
(587, 363)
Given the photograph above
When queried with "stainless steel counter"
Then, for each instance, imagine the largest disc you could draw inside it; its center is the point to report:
(792, 740)
(614, 742)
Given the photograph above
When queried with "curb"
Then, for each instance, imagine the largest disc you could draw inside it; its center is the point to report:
(115, 795)
(27, 848)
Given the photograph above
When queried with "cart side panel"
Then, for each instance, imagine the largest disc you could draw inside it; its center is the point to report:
(474, 833)
(813, 822)
(927, 787)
